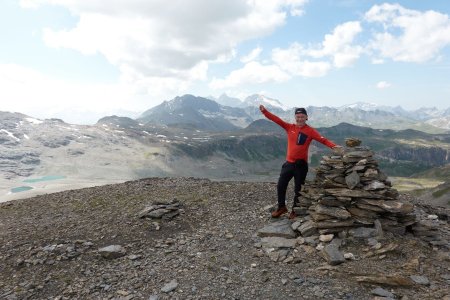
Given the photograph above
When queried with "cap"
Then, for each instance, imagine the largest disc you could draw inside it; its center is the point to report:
(301, 110)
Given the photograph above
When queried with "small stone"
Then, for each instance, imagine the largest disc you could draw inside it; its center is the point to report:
(326, 237)
(296, 225)
(288, 259)
(372, 242)
(112, 251)
(382, 292)
(169, 287)
(422, 280)
(332, 255)
(274, 255)
(300, 240)
(432, 217)
(284, 281)
(349, 256)
(320, 247)
(352, 142)
(134, 257)
(122, 293)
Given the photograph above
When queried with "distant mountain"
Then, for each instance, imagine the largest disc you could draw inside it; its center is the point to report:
(365, 106)
(431, 120)
(441, 122)
(262, 125)
(225, 100)
(198, 112)
(379, 119)
(122, 122)
(120, 148)
(270, 103)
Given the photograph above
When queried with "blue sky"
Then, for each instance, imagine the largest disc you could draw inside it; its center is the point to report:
(80, 60)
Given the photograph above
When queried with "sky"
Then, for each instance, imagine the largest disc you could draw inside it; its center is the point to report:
(79, 60)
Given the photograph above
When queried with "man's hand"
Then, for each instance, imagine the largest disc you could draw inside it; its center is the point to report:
(262, 108)
(338, 150)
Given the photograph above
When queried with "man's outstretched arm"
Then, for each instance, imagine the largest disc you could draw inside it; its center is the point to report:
(273, 117)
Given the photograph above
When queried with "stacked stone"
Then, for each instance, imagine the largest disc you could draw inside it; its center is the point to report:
(350, 191)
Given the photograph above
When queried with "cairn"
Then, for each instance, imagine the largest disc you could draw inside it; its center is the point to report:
(350, 193)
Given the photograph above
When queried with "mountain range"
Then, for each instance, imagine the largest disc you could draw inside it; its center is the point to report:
(227, 113)
(190, 136)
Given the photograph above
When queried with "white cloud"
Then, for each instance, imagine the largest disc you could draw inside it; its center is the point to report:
(422, 34)
(149, 39)
(299, 61)
(290, 60)
(338, 45)
(377, 61)
(254, 54)
(253, 72)
(28, 91)
(383, 85)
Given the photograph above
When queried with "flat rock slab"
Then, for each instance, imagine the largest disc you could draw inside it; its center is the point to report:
(352, 193)
(392, 280)
(278, 242)
(363, 232)
(332, 255)
(280, 228)
(308, 228)
(352, 180)
(337, 212)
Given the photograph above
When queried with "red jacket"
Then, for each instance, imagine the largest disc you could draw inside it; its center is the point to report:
(298, 138)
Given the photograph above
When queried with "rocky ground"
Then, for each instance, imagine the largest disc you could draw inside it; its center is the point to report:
(185, 238)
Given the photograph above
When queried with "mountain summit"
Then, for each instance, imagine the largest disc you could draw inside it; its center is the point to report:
(270, 103)
(198, 112)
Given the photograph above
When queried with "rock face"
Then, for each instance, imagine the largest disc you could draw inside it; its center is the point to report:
(350, 191)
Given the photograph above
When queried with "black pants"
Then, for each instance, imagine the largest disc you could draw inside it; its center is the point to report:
(298, 170)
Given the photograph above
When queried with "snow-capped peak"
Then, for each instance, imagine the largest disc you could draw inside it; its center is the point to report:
(361, 105)
(257, 99)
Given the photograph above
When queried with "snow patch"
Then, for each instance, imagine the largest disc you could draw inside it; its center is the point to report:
(34, 121)
(10, 134)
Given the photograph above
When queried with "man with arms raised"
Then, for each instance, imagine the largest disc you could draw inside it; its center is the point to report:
(299, 136)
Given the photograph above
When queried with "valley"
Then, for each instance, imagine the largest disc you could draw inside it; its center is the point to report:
(118, 149)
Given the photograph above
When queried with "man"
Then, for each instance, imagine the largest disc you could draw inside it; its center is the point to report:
(299, 136)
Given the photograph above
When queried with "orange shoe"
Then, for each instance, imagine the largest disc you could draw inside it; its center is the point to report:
(292, 215)
(279, 212)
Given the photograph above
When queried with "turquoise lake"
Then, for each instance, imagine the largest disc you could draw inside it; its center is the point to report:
(21, 189)
(34, 180)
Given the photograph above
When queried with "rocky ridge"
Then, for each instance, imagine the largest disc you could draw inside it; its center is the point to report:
(186, 238)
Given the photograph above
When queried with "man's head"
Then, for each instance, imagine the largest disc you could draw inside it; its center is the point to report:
(300, 116)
